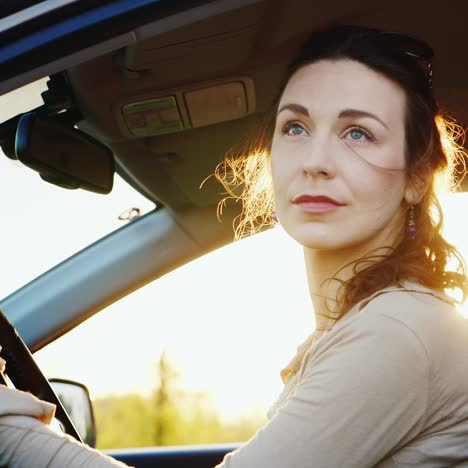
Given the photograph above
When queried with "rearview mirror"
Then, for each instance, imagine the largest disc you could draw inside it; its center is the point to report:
(74, 397)
(63, 155)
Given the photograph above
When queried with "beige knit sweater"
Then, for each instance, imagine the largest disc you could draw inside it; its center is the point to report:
(387, 386)
(27, 440)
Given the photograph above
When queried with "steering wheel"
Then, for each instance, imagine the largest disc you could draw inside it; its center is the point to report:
(26, 375)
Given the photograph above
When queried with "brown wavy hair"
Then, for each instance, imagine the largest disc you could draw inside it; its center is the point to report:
(432, 154)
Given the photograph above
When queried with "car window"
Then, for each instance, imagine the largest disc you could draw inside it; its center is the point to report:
(195, 356)
(43, 224)
(214, 328)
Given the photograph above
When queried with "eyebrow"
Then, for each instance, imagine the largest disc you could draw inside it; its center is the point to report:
(300, 109)
(361, 113)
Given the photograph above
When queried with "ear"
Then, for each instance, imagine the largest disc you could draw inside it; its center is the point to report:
(416, 187)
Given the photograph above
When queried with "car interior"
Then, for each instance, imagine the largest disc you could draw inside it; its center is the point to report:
(171, 88)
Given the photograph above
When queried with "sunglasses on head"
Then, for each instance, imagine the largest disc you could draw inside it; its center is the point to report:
(412, 47)
(408, 45)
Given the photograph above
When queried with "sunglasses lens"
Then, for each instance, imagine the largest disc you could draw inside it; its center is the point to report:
(410, 46)
(407, 44)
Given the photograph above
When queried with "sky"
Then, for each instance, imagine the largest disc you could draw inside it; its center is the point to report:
(228, 321)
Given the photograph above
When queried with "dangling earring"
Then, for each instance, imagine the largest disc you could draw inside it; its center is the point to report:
(274, 217)
(411, 225)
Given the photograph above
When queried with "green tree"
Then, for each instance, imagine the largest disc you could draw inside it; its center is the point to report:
(123, 421)
(167, 418)
(171, 416)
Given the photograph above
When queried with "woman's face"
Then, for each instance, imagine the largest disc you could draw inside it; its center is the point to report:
(338, 156)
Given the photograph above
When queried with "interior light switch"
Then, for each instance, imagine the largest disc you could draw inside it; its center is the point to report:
(153, 117)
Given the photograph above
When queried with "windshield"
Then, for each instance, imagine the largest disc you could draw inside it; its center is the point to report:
(43, 224)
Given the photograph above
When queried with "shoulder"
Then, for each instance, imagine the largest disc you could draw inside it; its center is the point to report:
(397, 302)
(426, 317)
(406, 321)
(430, 315)
(378, 330)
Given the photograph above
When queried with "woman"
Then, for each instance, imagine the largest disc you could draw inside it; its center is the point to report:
(353, 155)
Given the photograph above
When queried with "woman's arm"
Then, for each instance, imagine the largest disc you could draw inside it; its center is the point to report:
(362, 395)
(26, 441)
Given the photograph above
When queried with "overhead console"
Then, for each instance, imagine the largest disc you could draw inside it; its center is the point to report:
(190, 50)
(185, 71)
(186, 108)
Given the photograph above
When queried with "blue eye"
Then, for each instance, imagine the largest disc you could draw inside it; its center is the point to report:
(360, 135)
(356, 134)
(293, 129)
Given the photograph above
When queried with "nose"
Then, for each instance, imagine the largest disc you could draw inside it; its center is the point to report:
(318, 160)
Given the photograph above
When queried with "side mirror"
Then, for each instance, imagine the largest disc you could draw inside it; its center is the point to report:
(76, 401)
(64, 155)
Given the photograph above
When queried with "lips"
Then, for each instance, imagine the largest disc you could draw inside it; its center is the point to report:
(316, 199)
(316, 203)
